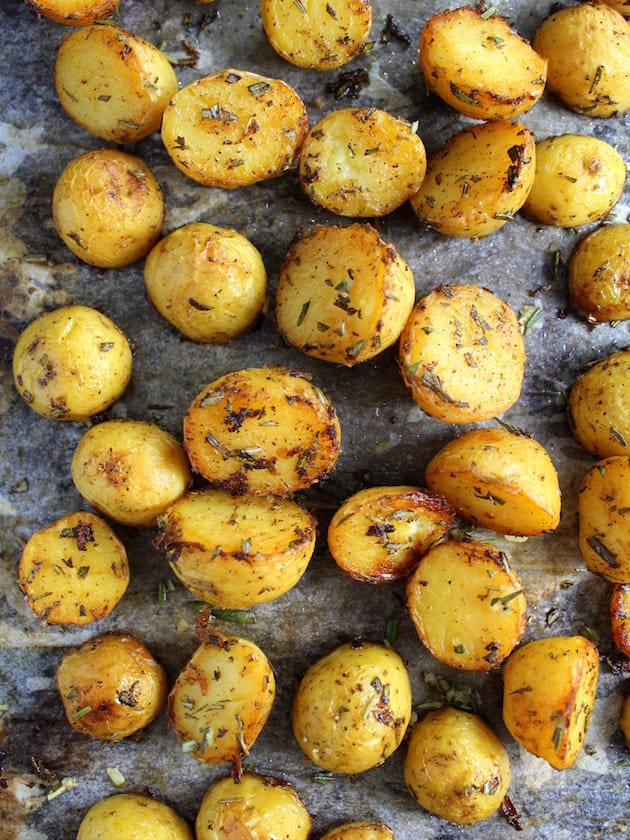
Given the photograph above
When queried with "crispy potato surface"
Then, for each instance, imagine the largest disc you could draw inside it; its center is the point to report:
(74, 12)
(620, 617)
(599, 274)
(132, 816)
(359, 830)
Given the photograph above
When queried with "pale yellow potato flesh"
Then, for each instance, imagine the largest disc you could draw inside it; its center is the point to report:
(132, 816)
(620, 617)
(74, 12)
(599, 274)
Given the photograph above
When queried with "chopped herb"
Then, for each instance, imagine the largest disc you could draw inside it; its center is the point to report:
(162, 593)
(190, 746)
(506, 217)
(430, 200)
(234, 616)
(392, 30)
(232, 78)
(391, 632)
(556, 738)
(330, 10)
(349, 83)
(530, 318)
(259, 88)
(434, 384)
(104, 97)
(353, 352)
(489, 12)
(617, 436)
(300, 5)
(496, 39)
(505, 599)
(604, 553)
(463, 96)
(459, 648)
(81, 713)
(303, 312)
(246, 546)
(116, 777)
(590, 634)
(596, 78)
(552, 616)
(65, 784)
(322, 777)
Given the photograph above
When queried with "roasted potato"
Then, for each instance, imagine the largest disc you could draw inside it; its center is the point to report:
(234, 128)
(74, 571)
(456, 767)
(362, 162)
(71, 363)
(478, 180)
(262, 430)
(620, 617)
(132, 816)
(359, 830)
(599, 274)
(462, 355)
(624, 720)
(344, 293)
(209, 282)
(498, 479)
(111, 686)
(621, 6)
(352, 707)
(74, 12)
(478, 65)
(108, 208)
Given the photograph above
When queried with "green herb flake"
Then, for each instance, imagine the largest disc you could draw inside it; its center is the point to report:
(323, 777)
(596, 78)
(459, 648)
(303, 312)
(115, 777)
(530, 318)
(81, 713)
(391, 632)
(259, 88)
(604, 553)
(616, 434)
(489, 12)
(190, 746)
(463, 96)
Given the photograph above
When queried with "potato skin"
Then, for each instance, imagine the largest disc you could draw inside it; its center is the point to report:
(620, 6)
(132, 816)
(624, 720)
(359, 830)
(599, 274)
(620, 617)
(74, 12)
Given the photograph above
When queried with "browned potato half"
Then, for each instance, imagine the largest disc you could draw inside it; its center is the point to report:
(462, 354)
(234, 128)
(222, 699)
(456, 767)
(71, 363)
(74, 12)
(108, 208)
(478, 65)
(132, 816)
(549, 688)
(344, 293)
(467, 605)
(499, 480)
(209, 282)
(74, 571)
(379, 534)
(362, 162)
(599, 274)
(111, 686)
(478, 180)
(359, 830)
(579, 179)
(620, 617)
(352, 707)
(262, 430)
(588, 50)
(237, 551)
(624, 720)
(131, 470)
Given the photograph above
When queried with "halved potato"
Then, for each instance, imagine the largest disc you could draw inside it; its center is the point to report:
(132, 816)
(620, 617)
(74, 12)
(599, 274)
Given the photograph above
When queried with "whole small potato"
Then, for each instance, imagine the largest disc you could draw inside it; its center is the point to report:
(359, 830)
(71, 363)
(620, 617)
(132, 816)
(74, 12)
(599, 274)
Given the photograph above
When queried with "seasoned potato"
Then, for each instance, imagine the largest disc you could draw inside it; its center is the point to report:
(549, 688)
(234, 128)
(499, 480)
(621, 6)
(462, 355)
(74, 571)
(456, 767)
(71, 363)
(256, 807)
(344, 293)
(579, 179)
(235, 552)
(478, 180)
(209, 282)
(222, 699)
(262, 430)
(379, 534)
(131, 470)
(588, 51)
(599, 274)
(620, 617)
(132, 816)
(479, 66)
(74, 12)
(359, 830)
(111, 686)
(352, 707)
(624, 720)
(108, 208)
(362, 162)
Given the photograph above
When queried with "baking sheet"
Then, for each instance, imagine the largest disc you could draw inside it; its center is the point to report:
(385, 438)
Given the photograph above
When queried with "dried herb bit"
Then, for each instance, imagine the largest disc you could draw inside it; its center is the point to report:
(233, 616)
(323, 777)
(349, 83)
(434, 384)
(202, 307)
(616, 434)
(556, 738)
(259, 88)
(530, 318)
(517, 156)
(460, 695)
(82, 533)
(463, 96)
(511, 814)
(596, 78)
(604, 553)
(392, 30)
(189, 60)
(303, 312)
(81, 713)
(391, 632)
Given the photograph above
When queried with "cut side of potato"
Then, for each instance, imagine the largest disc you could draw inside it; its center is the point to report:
(74, 12)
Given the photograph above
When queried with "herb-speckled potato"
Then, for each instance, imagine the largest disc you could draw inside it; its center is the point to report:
(599, 274)
(108, 208)
(132, 816)
(234, 128)
(362, 162)
(462, 354)
(456, 767)
(352, 707)
(620, 617)
(479, 66)
(111, 686)
(549, 688)
(499, 480)
(344, 294)
(478, 180)
(359, 830)
(624, 720)
(74, 12)
(71, 363)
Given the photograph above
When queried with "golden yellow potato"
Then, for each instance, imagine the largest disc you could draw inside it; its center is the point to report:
(222, 698)
(254, 807)
(549, 688)
(108, 208)
(111, 686)
(71, 363)
(478, 180)
(234, 128)
(130, 470)
(74, 12)
(352, 707)
(478, 65)
(621, 6)
(379, 534)
(74, 571)
(362, 162)
(624, 720)
(588, 52)
(237, 551)
(359, 830)
(599, 274)
(499, 480)
(620, 617)
(209, 282)
(113, 83)
(132, 816)
(262, 430)
(579, 179)
(456, 767)
(462, 355)
(344, 293)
